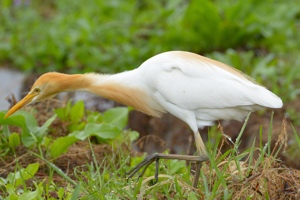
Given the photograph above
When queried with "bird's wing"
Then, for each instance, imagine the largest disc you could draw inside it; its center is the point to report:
(195, 82)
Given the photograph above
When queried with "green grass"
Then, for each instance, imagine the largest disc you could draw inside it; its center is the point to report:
(228, 175)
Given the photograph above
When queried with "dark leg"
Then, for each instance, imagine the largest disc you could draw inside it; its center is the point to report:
(197, 174)
(155, 157)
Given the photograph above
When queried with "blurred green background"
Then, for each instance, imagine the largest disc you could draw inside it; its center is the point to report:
(261, 38)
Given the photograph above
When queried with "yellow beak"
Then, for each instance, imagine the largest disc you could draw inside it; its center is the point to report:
(25, 101)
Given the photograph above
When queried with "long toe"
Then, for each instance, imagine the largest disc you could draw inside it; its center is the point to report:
(155, 157)
(144, 164)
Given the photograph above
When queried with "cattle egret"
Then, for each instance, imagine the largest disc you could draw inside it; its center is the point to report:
(196, 89)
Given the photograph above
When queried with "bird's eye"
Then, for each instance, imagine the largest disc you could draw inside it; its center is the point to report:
(37, 90)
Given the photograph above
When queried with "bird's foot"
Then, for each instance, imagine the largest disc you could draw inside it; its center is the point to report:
(145, 164)
(155, 157)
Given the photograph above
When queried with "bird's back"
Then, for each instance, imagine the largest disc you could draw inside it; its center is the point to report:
(209, 89)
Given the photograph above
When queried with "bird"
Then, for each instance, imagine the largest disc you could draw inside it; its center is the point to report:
(196, 89)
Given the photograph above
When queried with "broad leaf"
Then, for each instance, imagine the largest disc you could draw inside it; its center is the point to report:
(61, 145)
(15, 120)
(63, 113)
(116, 116)
(42, 130)
(77, 111)
(105, 131)
(14, 140)
(23, 174)
(32, 195)
(133, 135)
(28, 138)
(31, 122)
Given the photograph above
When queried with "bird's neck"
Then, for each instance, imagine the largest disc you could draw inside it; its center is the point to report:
(114, 87)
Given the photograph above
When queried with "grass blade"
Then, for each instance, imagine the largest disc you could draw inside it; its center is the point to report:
(56, 169)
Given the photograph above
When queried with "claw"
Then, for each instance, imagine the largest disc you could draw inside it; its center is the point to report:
(156, 170)
(144, 164)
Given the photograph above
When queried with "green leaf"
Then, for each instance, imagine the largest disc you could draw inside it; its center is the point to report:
(23, 119)
(24, 174)
(31, 122)
(61, 145)
(105, 131)
(61, 193)
(63, 113)
(28, 138)
(32, 195)
(26, 122)
(11, 191)
(16, 120)
(116, 116)
(14, 140)
(5, 131)
(3, 181)
(133, 135)
(76, 126)
(43, 129)
(77, 111)
(30, 170)
(60, 112)
(76, 192)
(94, 117)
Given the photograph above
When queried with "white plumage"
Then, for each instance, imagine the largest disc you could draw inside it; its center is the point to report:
(193, 87)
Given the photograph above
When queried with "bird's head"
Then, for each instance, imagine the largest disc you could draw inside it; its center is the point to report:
(45, 87)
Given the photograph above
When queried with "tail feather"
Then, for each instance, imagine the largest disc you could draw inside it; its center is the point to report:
(266, 98)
